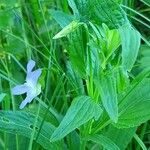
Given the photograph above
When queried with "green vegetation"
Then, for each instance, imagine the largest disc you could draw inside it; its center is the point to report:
(74, 74)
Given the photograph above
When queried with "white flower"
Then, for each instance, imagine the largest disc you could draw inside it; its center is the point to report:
(31, 87)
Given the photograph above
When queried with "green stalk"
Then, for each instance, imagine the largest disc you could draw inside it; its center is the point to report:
(28, 50)
(34, 129)
(50, 59)
(140, 142)
(13, 101)
(142, 134)
(47, 110)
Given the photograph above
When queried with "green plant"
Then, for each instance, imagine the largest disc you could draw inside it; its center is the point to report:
(95, 85)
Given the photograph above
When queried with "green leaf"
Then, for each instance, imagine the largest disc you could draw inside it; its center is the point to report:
(82, 109)
(11, 144)
(94, 61)
(122, 80)
(108, 12)
(73, 140)
(2, 95)
(75, 79)
(77, 50)
(121, 137)
(22, 141)
(107, 87)
(104, 141)
(11, 3)
(22, 123)
(72, 4)
(99, 11)
(130, 39)
(144, 57)
(61, 18)
(113, 40)
(134, 105)
(68, 29)
(110, 40)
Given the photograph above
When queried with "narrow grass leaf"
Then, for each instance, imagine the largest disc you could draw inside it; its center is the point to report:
(140, 142)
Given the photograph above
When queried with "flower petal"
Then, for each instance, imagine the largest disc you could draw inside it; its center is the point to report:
(20, 89)
(33, 77)
(30, 65)
(28, 99)
(23, 104)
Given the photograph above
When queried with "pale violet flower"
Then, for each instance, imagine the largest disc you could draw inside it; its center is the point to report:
(31, 87)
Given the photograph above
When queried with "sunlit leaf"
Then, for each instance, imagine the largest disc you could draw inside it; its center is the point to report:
(68, 29)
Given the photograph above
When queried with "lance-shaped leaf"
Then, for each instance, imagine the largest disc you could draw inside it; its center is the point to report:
(82, 109)
(72, 4)
(68, 29)
(107, 86)
(134, 105)
(130, 39)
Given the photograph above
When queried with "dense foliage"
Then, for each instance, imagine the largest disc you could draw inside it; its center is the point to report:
(74, 74)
